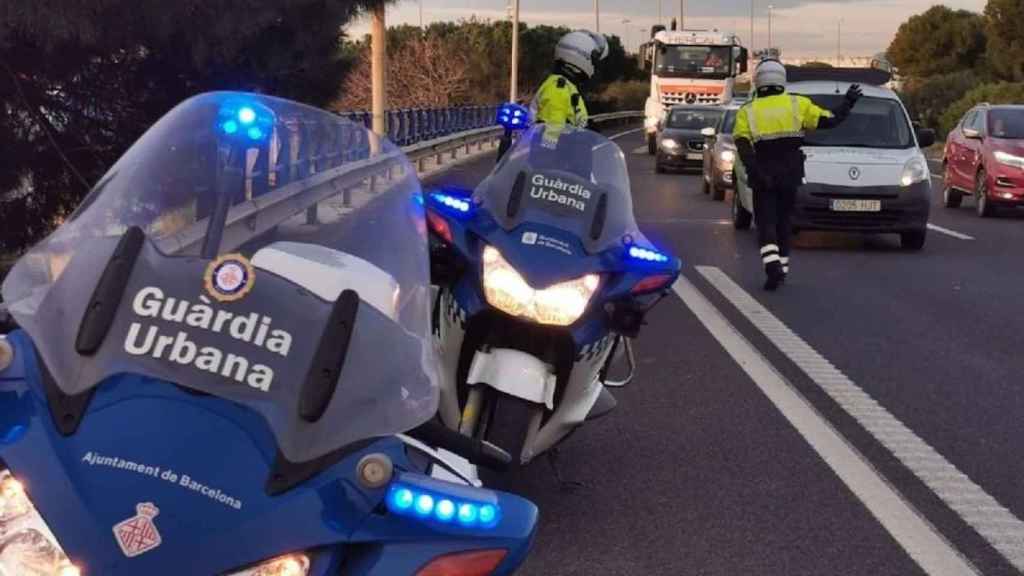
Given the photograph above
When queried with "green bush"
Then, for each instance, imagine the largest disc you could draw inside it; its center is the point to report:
(620, 96)
(996, 93)
(928, 98)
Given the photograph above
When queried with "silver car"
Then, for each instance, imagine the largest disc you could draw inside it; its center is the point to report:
(720, 155)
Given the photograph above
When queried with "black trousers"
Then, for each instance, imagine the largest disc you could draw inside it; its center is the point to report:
(773, 208)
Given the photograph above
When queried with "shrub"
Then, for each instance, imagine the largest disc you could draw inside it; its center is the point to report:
(928, 98)
(621, 96)
(996, 93)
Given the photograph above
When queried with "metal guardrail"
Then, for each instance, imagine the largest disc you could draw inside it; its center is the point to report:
(409, 126)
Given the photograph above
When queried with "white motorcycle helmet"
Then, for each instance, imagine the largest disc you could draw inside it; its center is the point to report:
(769, 73)
(582, 50)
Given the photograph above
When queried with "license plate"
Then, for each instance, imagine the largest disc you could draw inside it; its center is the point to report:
(694, 156)
(856, 205)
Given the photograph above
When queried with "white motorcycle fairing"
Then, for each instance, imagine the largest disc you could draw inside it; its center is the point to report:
(515, 373)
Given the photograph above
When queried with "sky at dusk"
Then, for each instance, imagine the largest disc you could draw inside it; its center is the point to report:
(802, 28)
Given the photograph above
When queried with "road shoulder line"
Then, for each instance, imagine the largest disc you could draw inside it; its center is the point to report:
(948, 232)
(994, 522)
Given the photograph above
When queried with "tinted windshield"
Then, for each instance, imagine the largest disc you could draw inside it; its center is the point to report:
(568, 178)
(694, 119)
(873, 123)
(1006, 123)
(693, 61)
(258, 216)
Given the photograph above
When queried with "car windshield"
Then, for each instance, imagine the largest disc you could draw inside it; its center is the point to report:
(257, 224)
(568, 178)
(873, 123)
(1006, 123)
(693, 118)
(693, 61)
(728, 121)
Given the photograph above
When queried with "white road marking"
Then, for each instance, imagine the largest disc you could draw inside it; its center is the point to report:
(919, 538)
(937, 176)
(639, 151)
(949, 232)
(626, 133)
(999, 526)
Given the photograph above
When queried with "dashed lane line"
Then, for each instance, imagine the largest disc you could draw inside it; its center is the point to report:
(919, 538)
(993, 521)
(948, 232)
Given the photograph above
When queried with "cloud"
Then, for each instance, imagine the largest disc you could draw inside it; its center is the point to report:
(802, 28)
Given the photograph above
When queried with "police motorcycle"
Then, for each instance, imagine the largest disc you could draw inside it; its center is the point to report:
(221, 364)
(543, 278)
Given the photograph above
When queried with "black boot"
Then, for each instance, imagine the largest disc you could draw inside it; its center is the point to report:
(773, 270)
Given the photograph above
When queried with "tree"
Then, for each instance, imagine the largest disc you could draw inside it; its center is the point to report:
(80, 81)
(939, 41)
(428, 71)
(928, 98)
(995, 93)
(1005, 19)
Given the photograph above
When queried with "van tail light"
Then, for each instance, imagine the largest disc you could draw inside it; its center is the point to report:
(439, 226)
(471, 563)
(651, 283)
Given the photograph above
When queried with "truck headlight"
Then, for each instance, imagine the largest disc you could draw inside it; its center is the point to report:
(558, 305)
(27, 546)
(916, 170)
(1009, 159)
(289, 565)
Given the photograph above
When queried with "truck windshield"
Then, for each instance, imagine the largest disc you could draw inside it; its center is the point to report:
(873, 123)
(675, 61)
(1007, 123)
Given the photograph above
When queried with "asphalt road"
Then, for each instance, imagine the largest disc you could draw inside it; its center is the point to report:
(876, 433)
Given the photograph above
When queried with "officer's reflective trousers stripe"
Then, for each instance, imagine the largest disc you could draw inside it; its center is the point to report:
(773, 208)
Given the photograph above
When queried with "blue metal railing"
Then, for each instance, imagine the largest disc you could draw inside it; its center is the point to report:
(410, 126)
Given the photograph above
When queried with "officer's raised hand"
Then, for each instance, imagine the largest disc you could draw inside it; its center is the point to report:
(853, 93)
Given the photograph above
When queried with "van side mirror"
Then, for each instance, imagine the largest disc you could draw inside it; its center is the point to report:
(972, 134)
(744, 56)
(925, 137)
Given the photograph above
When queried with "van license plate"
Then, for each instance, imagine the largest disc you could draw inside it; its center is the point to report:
(856, 205)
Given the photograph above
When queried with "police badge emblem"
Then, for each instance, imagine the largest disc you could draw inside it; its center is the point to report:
(229, 278)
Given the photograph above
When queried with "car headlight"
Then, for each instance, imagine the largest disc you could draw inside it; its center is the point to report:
(558, 305)
(1009, 159)
(916, 170)
(290, 565)
(669, 144)
(27, 546)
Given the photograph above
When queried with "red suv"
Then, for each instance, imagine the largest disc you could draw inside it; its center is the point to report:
(984, 158)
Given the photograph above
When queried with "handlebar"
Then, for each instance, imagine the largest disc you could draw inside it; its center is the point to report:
(478, 452)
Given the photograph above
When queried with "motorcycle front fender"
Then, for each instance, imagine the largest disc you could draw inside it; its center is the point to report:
(514, 373)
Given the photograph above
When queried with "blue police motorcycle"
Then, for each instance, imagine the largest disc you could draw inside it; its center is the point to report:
(221, 363)
(543, 278)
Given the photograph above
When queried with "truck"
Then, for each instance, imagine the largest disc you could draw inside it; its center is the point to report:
(689, 67)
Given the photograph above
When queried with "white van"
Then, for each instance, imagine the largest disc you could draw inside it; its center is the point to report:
(866, 175)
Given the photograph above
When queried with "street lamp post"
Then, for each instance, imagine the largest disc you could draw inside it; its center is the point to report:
(625, 37)
(514, 84)
(682, 14)
(597, 16)
(378, 49)
(770, 8)
(839, 42)
(751, 40)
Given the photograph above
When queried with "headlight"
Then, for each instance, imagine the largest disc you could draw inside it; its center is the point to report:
(26, 544)
(559, 305)
(1009, 159)
(727, 157)
(290, 565)
(669, 144)
(915, 171)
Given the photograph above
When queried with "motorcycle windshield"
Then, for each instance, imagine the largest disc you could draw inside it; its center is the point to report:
(282, 264)
(568, 178)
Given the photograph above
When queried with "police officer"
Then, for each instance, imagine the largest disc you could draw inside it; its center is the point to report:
(769, 131)
(558, 100)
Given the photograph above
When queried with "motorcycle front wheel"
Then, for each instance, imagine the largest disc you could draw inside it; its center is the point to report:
(511, 422)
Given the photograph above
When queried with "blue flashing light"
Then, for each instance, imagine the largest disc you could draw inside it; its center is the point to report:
(246, 115)
(437, 507)
(445, 510)
(488, 514)
(452, 202)
(647, 255)
(424, 504)
(468, 514)
(230, 127)
(255, 133)
(513, 116)
(402, 498)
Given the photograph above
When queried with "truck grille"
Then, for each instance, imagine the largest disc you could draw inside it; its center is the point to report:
(674, 98)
